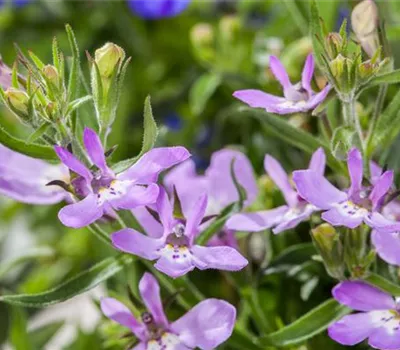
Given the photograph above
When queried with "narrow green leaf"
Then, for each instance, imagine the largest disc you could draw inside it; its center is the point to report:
(79, 284)
(343, 139)
(387, 78)
(56, 55)
(36, 60)
(14, 76)
(29, 149)
(279, 127)
(72, 106)
(316, 36)
(297, 16)
(202, 90)
(18, 332)
(150, 133)
(239, 188)
(38, 133)
(241, 340)
(384, 284)
(307, 326)
(73, 83)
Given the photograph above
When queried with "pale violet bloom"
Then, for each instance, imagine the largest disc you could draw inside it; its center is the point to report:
(24, 178)
(345, 208)
(101, 190)
(286, 216)
(158, 9)
(378, 319)
(216, 182)
(297, 98)
(176, 252)
(205, 326)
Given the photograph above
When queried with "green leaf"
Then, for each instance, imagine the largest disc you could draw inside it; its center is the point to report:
(72, 106)
(5, 320)
(18, 333)
(384, 284)
(316, 37)
(30, 149)
(307, 326)
(293, 256)
(38, 133)
(241, 340)
(41, 336)
(240, 189)
(36, 60)
(343, 139)
(202, 90)
(150, 133)
(73, 83)
(79, 284)
(392, 77)
(278, 127)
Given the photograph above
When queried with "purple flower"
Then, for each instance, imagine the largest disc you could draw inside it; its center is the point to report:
(102, 191)
(297, 98)
(205, 326)
(5, 75)
(347, 208)
(24, 178)
(379, 319)
(175, 251)
(284, 217)
(156, 9)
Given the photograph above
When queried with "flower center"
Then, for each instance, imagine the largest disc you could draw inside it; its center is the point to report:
(296, 93)
(167, 341)
(351, 209)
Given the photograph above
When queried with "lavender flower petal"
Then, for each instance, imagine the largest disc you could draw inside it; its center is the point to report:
(174, 269)
(150, 292)
(82, 213)
(135, 196)
(150, 225)
(207, 325)
(318, 161)
(258, 98)
(355, 166)
(337, 217)
(381, 187)
(293, 218)
(361, 296)
(279, 72)
(307, 74)
(73, 163)
(222, 258)
(386, 337)
(95, 150)
(387, 246)
(316, 190)
(195, 217)
(165, 211)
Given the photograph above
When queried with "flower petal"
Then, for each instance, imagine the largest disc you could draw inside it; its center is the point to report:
(387, 246)
(381, 223)
(152, 163)
(118, 312)
(150, 225)
(258, 98)
(133, 242)
(279, 72)
(352, 329)
(73, 163)
(24, 178)
(315, 100)
(280, 178)
(220, 183)
(207, 325)
(82, 213)
(307, 74)
(381, 187)
(340, 217)
(165, 211)
(195, 217)
(318, 161)
(361, 296)
(387, 336)
(221, 258)
(172, 268)
(150, 292)
(95, 150)
(257, 221)
(317, 190)
(355, 166)
(294, 217)
(136, 196)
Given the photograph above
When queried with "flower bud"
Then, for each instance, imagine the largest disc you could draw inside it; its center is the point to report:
(229, 27)
(18, 99)
(257, 247)
(337, 66)
(108, 57)
(327, 242)
(202, 34)
(365, 22)
(50, 72)
(334, 44)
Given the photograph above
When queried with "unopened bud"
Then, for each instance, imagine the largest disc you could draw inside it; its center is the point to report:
(334, 43)
(257, 247)
(337, 66)
(202, 34)
(328, 243)
(365, 21)
(108, 57)
(229, 27)
(18, 100)
(50, 72)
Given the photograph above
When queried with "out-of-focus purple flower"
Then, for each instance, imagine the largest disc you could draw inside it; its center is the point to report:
(156, 9)
(173, 121)
(175, 251)
(297, 98)
(378, 321)
(284, 217)
(24, 178)
(16, 3)
(103, 191)
(345, 208)
(205, 326)
(5, 75)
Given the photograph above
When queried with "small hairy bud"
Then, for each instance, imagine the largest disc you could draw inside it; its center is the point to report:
(107, 58)
(50, 72)
(18, 99)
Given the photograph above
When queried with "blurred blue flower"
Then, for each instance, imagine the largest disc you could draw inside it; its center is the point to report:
(173, 121)
(344, 13)
(155, 9)
(16, 3)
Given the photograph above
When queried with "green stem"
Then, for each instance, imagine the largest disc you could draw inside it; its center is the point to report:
(350, 117)
(100, 234)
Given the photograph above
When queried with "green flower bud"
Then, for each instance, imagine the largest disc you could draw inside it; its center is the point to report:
(327, 242)
(50, 72)
(18, 99)
(202, 34)
(334, 44)
(108, 57)
(337, 66)
(365, 22)
(229, 27)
